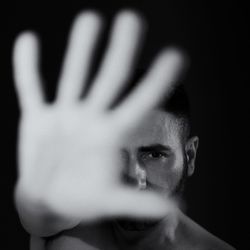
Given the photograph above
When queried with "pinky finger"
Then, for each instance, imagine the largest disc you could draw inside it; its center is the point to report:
(26, 71)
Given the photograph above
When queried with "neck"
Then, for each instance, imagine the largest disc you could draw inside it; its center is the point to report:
(144, 233)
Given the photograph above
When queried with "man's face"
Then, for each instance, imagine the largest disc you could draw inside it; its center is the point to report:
(156, 148)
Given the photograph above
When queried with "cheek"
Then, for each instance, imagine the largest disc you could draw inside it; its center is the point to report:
(166, 175)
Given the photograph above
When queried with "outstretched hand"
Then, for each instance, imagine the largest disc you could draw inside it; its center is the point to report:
(69, 150)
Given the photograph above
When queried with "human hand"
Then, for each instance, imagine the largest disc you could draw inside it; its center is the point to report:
(68, 151)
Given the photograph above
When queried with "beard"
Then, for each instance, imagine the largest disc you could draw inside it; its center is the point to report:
(133, 224)
(180, 186)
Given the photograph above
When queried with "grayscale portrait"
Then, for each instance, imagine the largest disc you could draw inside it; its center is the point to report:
(120, 120)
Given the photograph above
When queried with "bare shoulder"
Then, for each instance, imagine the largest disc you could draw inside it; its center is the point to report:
(198, 237)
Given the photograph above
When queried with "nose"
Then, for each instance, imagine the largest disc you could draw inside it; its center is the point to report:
(134, 173)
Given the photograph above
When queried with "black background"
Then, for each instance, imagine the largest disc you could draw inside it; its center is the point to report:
(215, 37)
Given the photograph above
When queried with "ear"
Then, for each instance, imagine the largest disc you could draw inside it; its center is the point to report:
(190, 152)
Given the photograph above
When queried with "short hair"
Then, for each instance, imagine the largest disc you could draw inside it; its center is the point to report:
(177, 104)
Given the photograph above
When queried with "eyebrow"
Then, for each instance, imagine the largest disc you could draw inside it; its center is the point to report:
(154, 147)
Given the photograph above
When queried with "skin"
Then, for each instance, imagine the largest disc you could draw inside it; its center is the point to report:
(69, 164)
(58, 142)
(158, 147)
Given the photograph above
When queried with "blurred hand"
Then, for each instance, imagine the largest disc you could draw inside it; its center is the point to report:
(68, 151)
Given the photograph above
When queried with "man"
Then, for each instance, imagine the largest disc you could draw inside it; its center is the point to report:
(99, 175)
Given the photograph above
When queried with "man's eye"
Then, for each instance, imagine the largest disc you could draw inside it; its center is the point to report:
(154, 155)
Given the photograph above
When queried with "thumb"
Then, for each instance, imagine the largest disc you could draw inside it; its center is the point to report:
(140, 204)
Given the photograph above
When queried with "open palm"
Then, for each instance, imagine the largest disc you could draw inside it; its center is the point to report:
(69, 150)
